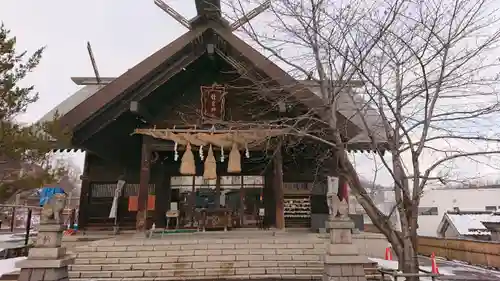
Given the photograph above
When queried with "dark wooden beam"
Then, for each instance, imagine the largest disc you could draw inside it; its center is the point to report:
(110, 114)
(84, 193)
(141, 111)
(266, 86)
(208, 7)
(278, 188)
(162, 193)
(144, 176)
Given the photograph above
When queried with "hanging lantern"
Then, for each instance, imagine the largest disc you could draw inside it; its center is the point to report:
(234, 163)
(188, 166)
(210, 172)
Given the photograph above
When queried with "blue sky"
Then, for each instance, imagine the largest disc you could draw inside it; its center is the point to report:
(122, 33)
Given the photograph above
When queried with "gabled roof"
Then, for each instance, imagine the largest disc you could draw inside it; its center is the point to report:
(92, 98)
(103, 96)
(346, 107)
(468, 223)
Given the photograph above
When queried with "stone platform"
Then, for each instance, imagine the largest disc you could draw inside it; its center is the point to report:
(271, 255)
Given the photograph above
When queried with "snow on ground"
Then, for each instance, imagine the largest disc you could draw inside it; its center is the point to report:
(448, 268)
(7, 237)
(9, 265)
(441, 270)
(393, 265)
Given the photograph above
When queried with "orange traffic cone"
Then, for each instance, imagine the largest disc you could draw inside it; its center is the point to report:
(434, 267)
(388, 254)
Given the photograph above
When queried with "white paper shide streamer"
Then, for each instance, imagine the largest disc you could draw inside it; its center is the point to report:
(114, 207)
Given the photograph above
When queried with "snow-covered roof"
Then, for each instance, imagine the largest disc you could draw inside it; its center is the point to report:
(468, 223)
(357, 110)
(351, 105)
(90, 87)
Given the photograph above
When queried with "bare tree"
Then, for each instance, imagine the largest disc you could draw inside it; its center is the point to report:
(428, 92)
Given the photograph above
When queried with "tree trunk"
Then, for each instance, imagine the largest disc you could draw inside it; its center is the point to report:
(410, 263)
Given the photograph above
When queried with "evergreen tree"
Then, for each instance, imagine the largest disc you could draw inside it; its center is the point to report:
(25, 162)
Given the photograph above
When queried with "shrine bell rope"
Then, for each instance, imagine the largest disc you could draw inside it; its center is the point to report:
(236, 140)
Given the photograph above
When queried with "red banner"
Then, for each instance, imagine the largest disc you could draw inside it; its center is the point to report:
(212, 101)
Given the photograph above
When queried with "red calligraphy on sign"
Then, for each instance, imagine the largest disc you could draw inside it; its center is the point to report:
(212, 101)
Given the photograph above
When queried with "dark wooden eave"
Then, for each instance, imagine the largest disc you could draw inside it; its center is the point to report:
(111, 92)
(212, 32)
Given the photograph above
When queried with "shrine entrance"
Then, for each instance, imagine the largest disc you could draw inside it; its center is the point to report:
(241, 196)
(212, 186)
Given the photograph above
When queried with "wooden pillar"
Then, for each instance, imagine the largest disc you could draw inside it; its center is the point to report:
(161, 195)
(269, 201)
(278, 188)
(217, 191)
(84, 194)
(144, 175)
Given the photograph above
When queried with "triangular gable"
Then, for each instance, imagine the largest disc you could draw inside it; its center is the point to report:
(268, 67)
(111, 91)
(307, 95)
(101, 97)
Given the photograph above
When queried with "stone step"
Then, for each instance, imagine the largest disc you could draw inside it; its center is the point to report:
(195, 257)
(196, 265)
(281, 277)
(200, 247)
(105, 245)
(190, 256)
(191, 272)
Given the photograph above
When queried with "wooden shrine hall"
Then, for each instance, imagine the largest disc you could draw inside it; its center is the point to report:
(185, 130)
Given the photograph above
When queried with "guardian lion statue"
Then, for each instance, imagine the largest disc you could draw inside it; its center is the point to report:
(53, 209)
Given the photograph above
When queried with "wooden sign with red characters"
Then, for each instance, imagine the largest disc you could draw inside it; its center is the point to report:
(212, 101)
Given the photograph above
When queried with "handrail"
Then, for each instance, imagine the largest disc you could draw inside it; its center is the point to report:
(19, 206)
(396, 274)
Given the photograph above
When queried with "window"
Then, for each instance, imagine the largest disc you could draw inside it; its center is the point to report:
(176, 182)
(256, 181)
(132, 189)
(427, 211)
(491, 208)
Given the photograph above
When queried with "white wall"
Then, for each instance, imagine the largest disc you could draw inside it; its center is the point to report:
(475, 199)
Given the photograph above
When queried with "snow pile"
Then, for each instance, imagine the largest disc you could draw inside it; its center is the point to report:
(9, 265)
(393, 265)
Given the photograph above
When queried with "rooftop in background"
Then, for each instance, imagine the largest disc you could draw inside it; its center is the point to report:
(468, 223)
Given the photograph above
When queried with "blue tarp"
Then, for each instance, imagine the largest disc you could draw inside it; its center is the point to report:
(47, 192)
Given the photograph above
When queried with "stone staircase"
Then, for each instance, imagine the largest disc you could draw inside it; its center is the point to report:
(205, 256)
(191, 258)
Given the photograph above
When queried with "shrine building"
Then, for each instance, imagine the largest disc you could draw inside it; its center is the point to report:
(185, 129)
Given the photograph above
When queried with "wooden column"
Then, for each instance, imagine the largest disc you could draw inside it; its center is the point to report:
(84, 194)
(144, 176)
(269, 201)
(278, 188)
(161, 195)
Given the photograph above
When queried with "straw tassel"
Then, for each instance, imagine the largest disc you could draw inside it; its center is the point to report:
(176, 153)
(188, 166)
(210, 172)
(234, 162)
